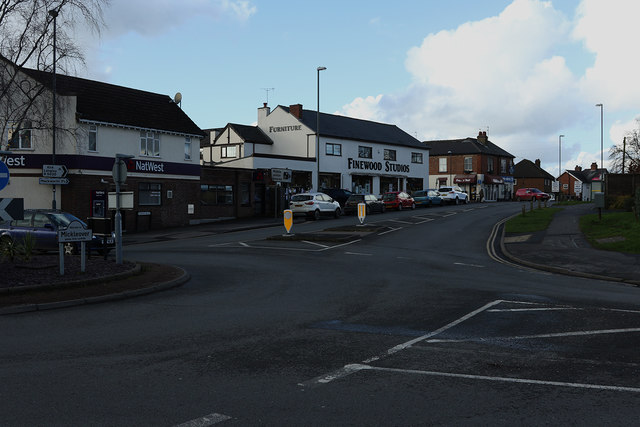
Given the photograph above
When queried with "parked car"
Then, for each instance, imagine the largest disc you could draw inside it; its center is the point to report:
(427, 198)
(44, 224)
(372, 202)
(314, 205)
(531, 193)
(338, 194)
(398, 200)
(453, 194)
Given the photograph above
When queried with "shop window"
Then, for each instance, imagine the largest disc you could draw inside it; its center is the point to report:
(19, 137)
(365, 152)
(390, 155)
(93, 138)
(149, 194)
(442, 164)
(216, 194)
(149, 143)
(187, 148)
(229, 151)
(416, 157)
(333, 149)
(468, 164)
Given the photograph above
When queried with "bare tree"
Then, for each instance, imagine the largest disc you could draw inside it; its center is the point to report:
(26, 41)
(628, 151)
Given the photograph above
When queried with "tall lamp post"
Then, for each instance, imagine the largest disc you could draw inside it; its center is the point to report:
(601, 139)
(54, 14)
(559, 163)
(318, 131)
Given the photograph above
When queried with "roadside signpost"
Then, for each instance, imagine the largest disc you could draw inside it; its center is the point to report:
(362, 212)
(4, 175)
(54, 181)
(75, 232)
(281, 175)
(54, 171)
(119, 172)
(10, 209)
(288, 220)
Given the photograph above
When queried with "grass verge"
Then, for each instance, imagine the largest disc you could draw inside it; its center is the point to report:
(535, 220)
(618, 231)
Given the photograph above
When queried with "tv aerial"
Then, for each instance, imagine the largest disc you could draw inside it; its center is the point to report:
(268, 89)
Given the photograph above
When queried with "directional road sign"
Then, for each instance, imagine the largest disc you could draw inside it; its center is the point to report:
(4, 175)
(54, 171)
(11, 209)
(54, 181)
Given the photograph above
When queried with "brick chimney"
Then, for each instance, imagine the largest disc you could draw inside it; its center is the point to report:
(537, 162)
(594, 166)
(578, 168)
(296, 110)
(482, 138)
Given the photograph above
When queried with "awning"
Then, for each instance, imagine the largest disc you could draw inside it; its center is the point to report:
(465, 179)
(493, 179)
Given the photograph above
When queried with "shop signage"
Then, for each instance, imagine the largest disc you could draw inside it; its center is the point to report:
(377, 166)
(148, 166)
(281, 175)
(284, 128)
(465, 179)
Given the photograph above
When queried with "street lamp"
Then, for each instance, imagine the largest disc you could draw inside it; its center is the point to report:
(318, 131)
(559, 162)
(119, 177)
(54, 14)
(601, 140)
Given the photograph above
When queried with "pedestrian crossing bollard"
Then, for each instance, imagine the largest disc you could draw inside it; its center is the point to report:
(362, 212)
(288, 220)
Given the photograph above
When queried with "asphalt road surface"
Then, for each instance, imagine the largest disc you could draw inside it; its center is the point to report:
(413, 325)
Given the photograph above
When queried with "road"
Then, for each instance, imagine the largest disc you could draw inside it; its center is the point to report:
(413, 325)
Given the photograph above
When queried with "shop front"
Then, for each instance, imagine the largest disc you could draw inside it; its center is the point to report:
(362, 184)
(468, 183)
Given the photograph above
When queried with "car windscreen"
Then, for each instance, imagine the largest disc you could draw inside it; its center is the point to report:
(389, 196)
(301, 198)
(419, 194)
(62, 220)
(356, 198)
(445, 189)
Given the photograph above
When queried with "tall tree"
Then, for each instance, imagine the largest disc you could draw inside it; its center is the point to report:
(627, 151)
(26, 41)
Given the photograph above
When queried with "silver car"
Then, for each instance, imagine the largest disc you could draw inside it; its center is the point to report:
(453, 194)
(314, 205)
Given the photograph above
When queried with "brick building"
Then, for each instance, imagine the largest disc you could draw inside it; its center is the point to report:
(528, 174)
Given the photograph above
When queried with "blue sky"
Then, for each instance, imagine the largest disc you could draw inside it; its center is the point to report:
(526, 71)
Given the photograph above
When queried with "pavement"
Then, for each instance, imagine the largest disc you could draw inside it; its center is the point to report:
(562, 248)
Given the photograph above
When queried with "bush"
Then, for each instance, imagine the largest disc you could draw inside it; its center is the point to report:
(620, 203)
(10, 249)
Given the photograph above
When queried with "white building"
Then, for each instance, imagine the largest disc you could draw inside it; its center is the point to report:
(359, 155)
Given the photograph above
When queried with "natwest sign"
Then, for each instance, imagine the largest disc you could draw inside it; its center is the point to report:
(145, 166)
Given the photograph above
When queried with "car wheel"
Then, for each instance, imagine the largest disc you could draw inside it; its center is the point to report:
(367, 210)
(316, 214)
(399, 206)
(336, 214)
(466, 200)
(413, 205)
(70, 248)
(457, 201)
(383, 209)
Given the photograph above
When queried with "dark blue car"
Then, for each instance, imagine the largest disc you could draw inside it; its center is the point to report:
(44, 225)
(424, 198)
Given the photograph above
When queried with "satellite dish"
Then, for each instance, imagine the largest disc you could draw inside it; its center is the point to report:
(177, 98)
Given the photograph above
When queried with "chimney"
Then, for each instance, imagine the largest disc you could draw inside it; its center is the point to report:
(537, 162)
(578, 168)
(594, 166)
(263, 112)
(296, 110)
(482, 138)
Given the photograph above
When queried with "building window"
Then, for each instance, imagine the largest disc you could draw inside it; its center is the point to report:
(149, 194)
(490, 165)
(216, 194)
(416, 157)
(442, 164)
(228, 151)
(245, 193)
(468, 164)
(19, 137)
(503, 166)
(390, 155)
(333, 149)
(365, 152)
(149, 143)
(93, 138)
(187, 148)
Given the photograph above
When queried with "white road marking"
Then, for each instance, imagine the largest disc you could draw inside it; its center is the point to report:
(401, 222)
(498, 310)
(501, 379)
(390, 231)
(315, 243)
(205, 421)
(555, 335)
(244, 244)
(468, 265)
(358, 253)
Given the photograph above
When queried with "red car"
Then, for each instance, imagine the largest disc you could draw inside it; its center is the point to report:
(531, 194)
(398, 200)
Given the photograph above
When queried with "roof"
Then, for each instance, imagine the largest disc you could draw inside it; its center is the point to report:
(465, 146)
(248, 133)
(118, 105)
(343, 127)
(528, 169)
(588, 175)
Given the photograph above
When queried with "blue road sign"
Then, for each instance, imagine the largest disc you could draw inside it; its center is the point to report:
(4, 175)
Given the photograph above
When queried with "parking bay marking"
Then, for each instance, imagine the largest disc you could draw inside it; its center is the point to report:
(207, 420)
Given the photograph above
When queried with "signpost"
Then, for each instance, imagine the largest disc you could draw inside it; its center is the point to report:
(362, 212)
(11, 209)
(54, 181)
(288, 220)
(75, 232)
(281, 175)
(119, 171)
(4, 175)
(54, 171)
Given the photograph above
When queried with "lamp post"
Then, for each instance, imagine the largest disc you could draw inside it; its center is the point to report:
(601, 139)
(559, 163)
(54, 14)
(318, 131)
(119, 177)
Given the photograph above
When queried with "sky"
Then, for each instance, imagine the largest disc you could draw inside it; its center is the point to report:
(524, 71)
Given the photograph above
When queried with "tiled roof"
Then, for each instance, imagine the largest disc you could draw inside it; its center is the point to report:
(251, 134)
(343, 127)
(118, 105)
(587, 175)
(528, 169)
(465, 146)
